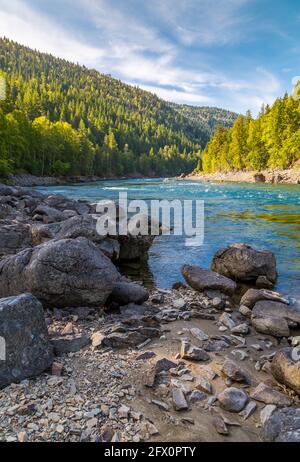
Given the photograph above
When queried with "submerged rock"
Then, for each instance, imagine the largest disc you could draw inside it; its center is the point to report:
(200, 279)
(243, 263)
(27, 351)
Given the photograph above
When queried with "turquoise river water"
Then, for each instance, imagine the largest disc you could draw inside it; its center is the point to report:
(265, 216)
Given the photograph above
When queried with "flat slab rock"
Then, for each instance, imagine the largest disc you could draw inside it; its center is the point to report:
(252, 296)
(275, 309)
(27, 351)
(70, 344)
(268, 395)
(201, 279)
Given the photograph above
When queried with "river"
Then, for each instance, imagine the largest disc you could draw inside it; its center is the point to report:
(264, 216)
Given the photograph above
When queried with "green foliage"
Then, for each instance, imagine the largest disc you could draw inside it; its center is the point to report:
(60, 118)
(272, 140)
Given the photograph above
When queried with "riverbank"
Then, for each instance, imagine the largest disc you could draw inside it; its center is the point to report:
(30, 181)
(97, 357)
(291, 176)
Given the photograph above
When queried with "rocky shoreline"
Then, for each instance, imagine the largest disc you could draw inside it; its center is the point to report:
(277, 176)
(94, 356)
(29, 181)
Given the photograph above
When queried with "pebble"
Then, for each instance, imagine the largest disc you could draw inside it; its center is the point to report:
(22, 437)
(220, 426)
(233, 399)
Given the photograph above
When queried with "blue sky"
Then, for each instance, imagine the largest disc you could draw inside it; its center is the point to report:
(235, 54)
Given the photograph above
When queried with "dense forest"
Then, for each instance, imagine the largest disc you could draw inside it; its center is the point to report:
(272, 140)
(60, 118)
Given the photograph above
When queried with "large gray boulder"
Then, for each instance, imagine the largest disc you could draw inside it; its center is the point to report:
(62, 203)
(27, 351)
(69, 272)
(202, 279)
(243, 263)
(282, 426)
(14, 238)
(286, 368)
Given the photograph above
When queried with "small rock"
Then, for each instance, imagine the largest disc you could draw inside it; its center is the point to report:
(204, 385)
(179, 401)
(163, 406)
(69, 329)
(220, 426)
(227, 321)
(97, 339)
(240, 354)
(268, 395)
(233, 399)
(123, 412)
(263, 283)
(267, 412)
(199, 334)
(242, 329)
(57, 369)
(249, 410)
(22, 437)
(197, 396)
(145, 355)
(245, 311)
(234, 372)
(193, 353)
(218, 303)
(179, 304)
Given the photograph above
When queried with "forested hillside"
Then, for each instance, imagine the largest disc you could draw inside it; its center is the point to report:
(60, 118)
(206, 117)
(272, 140)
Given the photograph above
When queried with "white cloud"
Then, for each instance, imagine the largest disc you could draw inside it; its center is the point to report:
(179, 96)
(26, 26)
(205, 21)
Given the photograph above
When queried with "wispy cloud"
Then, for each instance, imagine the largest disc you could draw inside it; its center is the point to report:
(23, 24)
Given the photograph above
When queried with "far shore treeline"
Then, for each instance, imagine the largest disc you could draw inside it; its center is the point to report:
(63, 119)
(270, 141)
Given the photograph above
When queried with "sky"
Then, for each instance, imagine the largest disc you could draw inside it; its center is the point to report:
(235, 54)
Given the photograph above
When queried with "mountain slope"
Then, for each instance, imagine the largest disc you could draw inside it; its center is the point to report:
(87, 122)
